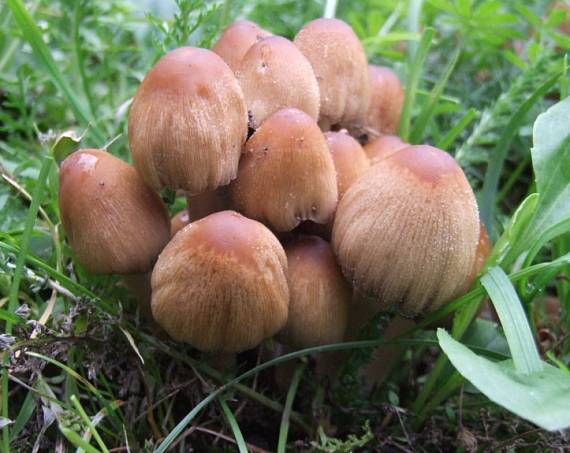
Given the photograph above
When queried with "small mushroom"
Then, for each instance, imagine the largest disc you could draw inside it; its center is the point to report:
(236, 40)
(273, 75)
(114, 222)
(221, 284)
(350, 161)
(179, 221)
(383, 147)
(341, 68)
(188, 122)
(319, 295)
(406, 232)
(286, 174)
(387, 100)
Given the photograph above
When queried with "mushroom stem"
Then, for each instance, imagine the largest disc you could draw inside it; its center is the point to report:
(204, 204)
(220, 361)
(139, 286)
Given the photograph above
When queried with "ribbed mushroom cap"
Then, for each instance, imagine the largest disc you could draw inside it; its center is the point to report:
(407, 231)
(236, 40)
(273, 75)
(221, 284)
(350, 161)
(341, 67)
(179, 221)
(387, 100)
(320, 296)
(383, 147)
(115, 223)
(188, 122)
(286, 174)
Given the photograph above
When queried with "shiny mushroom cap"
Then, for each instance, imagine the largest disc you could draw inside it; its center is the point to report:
(320, 296)
(286, 174)
(236, 40)
(406, 232)
(221, 284)
(341, 68)
(386, 103)
(273, 75)
(383, 146)
(350, 161)
(188, 122)
(114, 222)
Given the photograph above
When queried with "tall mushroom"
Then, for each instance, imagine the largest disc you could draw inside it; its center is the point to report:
(273, 75)
(386, 103)
(406, 233)
(221, 284)
(236, 40)
(286, 174)
(341, 67)
(114, 222)
(188, 122)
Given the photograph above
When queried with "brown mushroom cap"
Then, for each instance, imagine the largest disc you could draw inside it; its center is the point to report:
(383, 147)
(350, 161)
(273, 75)
(179, 221)
(407, 231)
(386, 103)
(188, 122)
(286, 174)
(341, 68)
(115, 223)
(236, 40)
(320, 296)
(221, 284)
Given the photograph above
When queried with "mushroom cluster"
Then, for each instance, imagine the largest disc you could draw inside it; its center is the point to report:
(264, 137)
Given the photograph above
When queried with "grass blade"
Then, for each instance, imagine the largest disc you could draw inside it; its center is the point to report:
(413, 73)
(284, 428)
(76, 440)
(514, 321)
(495, 166)
(17, 278)
(240, 441)
(428, 109)
(87, 421)
(452, 135)
(33, 35)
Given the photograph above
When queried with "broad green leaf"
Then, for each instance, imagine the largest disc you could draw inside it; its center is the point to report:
(542, 398)
(551, 162)
(513, 319)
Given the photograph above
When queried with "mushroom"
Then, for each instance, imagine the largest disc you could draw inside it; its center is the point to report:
(179, 221)
(383, 147)
(341, 67)
(188, 122)
(236, 40)
(319, 295)
(274, 74)
(387, 100)
(350, 161)
(221, 284)
(114, 222)
(286, 174)
(406, 232)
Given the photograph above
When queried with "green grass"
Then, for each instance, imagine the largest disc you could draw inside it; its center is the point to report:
(97, 377)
